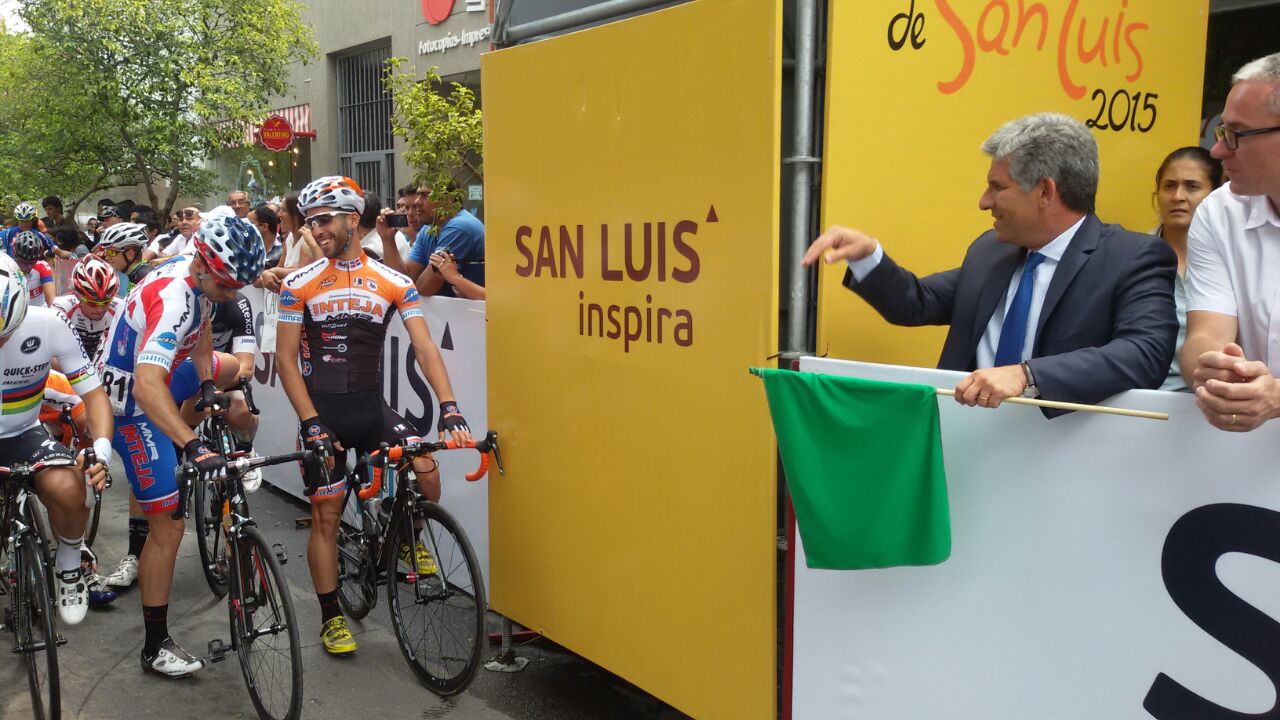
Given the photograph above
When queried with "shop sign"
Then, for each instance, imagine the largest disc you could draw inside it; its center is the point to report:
(437, 11)
(276, 133)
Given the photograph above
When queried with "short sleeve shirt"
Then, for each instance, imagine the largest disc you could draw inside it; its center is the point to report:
(26, 359)
(39, 274)
(463, 236)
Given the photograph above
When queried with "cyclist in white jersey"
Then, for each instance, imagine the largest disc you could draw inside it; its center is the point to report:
(92, 303)
(165, 321)
(30, 339)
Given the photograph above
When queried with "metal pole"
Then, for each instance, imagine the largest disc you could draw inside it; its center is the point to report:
(576, 18)
(803, 163)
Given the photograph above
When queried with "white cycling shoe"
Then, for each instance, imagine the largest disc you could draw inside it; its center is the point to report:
(171, 660)
(73, 596)
(125, 573)
(252, 478)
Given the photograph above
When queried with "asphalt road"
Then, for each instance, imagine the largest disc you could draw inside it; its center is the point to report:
(102, 680)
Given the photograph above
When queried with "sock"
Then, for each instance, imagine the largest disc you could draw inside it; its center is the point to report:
(329, 607)
(138, 530)
(155, 619)
(69, 553)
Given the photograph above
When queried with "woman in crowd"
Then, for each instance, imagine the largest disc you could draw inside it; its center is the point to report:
(299, 248)
(1186, 177)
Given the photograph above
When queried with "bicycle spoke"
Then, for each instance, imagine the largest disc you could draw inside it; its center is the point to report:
(266, 631)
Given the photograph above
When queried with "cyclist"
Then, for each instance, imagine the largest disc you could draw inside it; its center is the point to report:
(92, 303)
(233, 337)
(30, 338)
(166, 322)
(30, 252)
(334, 313)
(121, 246)
(25, 215)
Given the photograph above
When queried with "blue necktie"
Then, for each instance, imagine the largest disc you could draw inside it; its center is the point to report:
(1013, 334)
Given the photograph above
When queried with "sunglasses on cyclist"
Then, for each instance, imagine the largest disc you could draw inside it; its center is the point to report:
(322, 219)
(96, 303)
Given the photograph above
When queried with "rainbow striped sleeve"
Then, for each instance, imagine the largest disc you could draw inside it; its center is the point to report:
(75, 377)
(16, 401)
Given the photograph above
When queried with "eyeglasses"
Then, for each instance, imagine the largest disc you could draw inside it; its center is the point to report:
(322, 219)
(96, 303)
(1231, 138)
(188, 214)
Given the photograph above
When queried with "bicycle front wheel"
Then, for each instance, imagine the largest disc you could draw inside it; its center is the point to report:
(264, 629)
(208, 498)
(438, 611)
(36, 642)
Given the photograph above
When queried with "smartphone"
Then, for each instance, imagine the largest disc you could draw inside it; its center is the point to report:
(398, 220)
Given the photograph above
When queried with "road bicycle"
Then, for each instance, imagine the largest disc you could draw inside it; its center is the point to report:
(210, 498)
(437, 611)
(29, 611)
(263, 626)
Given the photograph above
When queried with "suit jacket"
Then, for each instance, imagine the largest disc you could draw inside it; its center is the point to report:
(1108, 322)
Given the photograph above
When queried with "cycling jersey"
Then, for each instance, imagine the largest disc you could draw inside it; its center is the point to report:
(343, 307)
(89, 331)
(159, 325)
(25, 358)
(39, 274)
(232, 326)
(57, 394)
(8, 234)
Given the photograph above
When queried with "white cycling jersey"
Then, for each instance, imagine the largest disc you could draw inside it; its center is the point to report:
(160, 325)
(89, 331)
(25, 358)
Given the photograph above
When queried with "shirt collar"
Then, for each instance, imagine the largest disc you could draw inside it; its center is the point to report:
(1261, 212)
(1058, 246)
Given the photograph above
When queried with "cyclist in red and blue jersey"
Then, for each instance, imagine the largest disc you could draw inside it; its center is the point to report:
(25, 215)
(166, 322)
(334, 315)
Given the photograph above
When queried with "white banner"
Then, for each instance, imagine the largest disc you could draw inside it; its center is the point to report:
(1102, 567)
(458, 328)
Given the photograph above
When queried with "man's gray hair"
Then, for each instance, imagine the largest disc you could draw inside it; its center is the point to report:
(1264, 69)
(1050, 145)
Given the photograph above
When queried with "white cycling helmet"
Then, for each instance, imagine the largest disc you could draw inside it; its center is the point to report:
(13, 295)
(24, 211)
(122, 236)
(332, 191)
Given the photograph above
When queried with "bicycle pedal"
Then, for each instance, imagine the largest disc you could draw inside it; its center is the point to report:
(59, 639)
(281, 556)
(218, 650)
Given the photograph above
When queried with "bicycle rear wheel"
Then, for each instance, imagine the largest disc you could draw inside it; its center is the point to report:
(357, 584)
(209, 499)
(31, 613)
(264, 629)
(439, 618)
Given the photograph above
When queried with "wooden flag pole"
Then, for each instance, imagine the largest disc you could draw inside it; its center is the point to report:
(1076, 406)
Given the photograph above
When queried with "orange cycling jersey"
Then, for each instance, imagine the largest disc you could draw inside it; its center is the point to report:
(57, 393)
(344, 307)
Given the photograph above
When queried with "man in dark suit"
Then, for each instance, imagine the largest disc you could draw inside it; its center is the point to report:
(1051, 302)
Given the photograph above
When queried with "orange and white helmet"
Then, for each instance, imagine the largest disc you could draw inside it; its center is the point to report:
(332, 191)
(94, 280)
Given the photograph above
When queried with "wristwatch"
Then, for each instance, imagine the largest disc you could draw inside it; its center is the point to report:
(1030, 391)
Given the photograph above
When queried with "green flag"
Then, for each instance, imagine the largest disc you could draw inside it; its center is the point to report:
(863, 460)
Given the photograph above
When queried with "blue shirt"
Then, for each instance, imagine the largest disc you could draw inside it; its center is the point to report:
(10, 233)
(463, 236)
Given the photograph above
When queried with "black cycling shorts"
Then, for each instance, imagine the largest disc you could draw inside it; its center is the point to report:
(34, 447)
(361, 421)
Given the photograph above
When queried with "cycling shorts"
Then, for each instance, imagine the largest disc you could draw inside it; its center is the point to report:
(34, 447)
(184, 382)
(362, 421)
(150, 461)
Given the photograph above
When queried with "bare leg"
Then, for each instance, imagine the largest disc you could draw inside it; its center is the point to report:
(155, 567)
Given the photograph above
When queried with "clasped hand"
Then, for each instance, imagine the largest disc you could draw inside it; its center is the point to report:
(1234, 393)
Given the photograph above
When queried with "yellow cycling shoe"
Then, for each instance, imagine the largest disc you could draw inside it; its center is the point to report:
(337, 637)
(426, 563)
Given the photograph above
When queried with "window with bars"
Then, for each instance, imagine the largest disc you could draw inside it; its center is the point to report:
(365, 140)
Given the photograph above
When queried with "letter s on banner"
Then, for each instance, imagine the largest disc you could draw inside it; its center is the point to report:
(1189, 564)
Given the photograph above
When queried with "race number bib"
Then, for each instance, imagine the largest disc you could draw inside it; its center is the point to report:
(119, 386)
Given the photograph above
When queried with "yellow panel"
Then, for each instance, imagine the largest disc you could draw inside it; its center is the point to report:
(904, 127)
(635, 524)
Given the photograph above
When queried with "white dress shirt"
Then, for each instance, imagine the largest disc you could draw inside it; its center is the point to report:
(1233, 268)
(1043, 275)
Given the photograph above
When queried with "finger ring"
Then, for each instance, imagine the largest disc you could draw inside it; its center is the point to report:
(1233, 419)
(983, 396)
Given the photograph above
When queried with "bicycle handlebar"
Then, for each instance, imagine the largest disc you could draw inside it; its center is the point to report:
(388, 454)
(246, 387)
(187, 473)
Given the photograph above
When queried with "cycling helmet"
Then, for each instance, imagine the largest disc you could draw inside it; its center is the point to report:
(232, 248)
(24, 211)
(122, 236)
(13, 295)
(94, 280)
(29, 247)
(332, 191)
